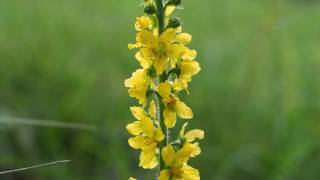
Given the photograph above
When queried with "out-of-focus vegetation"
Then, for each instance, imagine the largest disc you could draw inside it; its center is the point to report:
(257, 96)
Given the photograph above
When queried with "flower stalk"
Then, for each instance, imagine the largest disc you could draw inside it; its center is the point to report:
(168, 65)
(160, 15)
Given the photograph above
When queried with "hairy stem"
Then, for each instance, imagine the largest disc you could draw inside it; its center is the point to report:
(159, 105)
(160, 15)
(158, 116)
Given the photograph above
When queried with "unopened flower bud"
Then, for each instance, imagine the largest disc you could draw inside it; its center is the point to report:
(150, 9)
(174, 2)
(174, 23)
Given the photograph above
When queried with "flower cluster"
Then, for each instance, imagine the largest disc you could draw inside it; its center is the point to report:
(167, 66)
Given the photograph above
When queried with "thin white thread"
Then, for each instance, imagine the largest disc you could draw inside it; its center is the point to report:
(33, 167)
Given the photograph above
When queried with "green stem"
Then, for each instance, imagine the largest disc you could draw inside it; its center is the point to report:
(160, 15)
(159, 105)
(158, 116)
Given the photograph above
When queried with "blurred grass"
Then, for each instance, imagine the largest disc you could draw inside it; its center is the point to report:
(257, 97)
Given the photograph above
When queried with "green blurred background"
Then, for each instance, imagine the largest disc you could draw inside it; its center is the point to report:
(257, 96)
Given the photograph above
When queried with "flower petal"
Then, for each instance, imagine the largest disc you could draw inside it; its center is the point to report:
(184, 154)
(147, 126)
(183, 110)
(169, 10)
(135, 128)
(164, 175)
(145, 63)
(143, 22)
(168, 154)
(168, 35)
(158, 135)
(138, 112)
(164, 90)
(189, 68)
(190, 55)
(136, 142)
(146, 38)
(160, 65)
(152, 164)
(190, 173)
(146, 157)
(194, 134)
(152, 109)
(183, 38)
(181, 134)
(170, 118)
(196, 151)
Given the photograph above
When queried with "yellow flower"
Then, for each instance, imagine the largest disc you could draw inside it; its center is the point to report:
(131, 178)
(188, 68)
(190, 137)
(177, 164)
(147, 137)
(173, 106)
(138, 85)
(143, 22)
(161, 51)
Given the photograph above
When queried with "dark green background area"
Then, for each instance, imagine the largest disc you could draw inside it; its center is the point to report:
(257, 96)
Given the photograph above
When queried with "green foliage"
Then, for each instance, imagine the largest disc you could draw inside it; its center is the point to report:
(257, 96)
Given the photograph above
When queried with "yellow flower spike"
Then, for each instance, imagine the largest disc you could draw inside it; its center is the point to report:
(168, 66)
